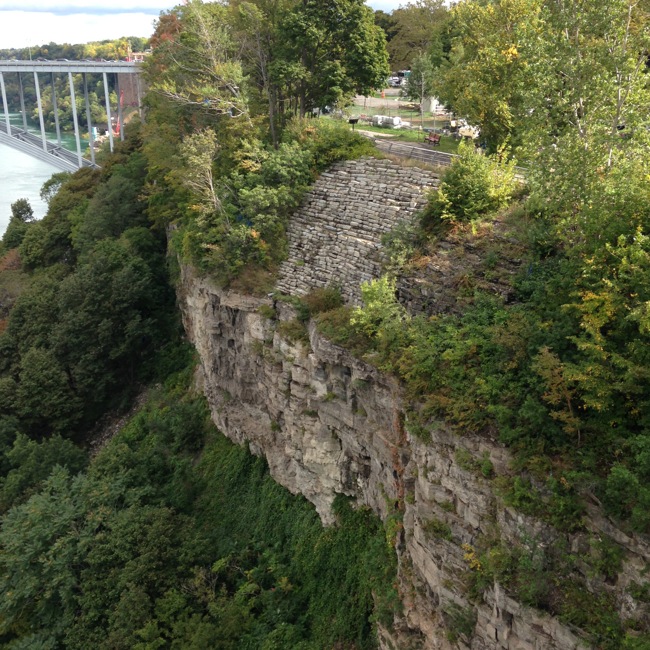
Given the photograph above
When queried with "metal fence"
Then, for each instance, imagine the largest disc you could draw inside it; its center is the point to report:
(402, 150)
(424, 154)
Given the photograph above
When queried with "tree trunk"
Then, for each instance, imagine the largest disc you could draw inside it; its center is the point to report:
(272, 114)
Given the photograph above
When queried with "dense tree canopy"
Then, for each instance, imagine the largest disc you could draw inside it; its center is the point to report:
(108, 49)
(232, 77)
(298, 56)
(550, 76)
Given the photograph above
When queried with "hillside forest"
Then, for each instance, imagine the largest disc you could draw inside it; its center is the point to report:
(129, 521)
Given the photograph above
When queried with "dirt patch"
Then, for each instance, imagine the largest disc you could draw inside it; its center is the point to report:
(111, 423)
(470, 257)
(10, 261)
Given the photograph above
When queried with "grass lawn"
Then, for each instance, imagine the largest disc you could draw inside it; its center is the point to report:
(447, 143)
(392, 110)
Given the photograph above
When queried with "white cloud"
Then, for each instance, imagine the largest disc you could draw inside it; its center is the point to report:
(386, 5)
(108, 6)
(22, 29)
(30, 23)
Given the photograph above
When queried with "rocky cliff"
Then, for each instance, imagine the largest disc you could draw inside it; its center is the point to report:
(330, 423)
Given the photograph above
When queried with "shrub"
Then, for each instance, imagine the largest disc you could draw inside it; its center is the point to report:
(468, 462)
(336, 326)
(473, 186)
(267, 311)
(382, 319)
(329, 141)
(621, 491)
(322, 300)
(294, 330)
(399, 245)
(460, 622)
(437, 529)
(606, 557)
(380, 306)
(15, 233)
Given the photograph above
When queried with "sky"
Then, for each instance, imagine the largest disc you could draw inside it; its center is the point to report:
(38, 22)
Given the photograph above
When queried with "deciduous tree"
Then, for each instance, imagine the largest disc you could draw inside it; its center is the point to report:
(195, 63)
(415, 26)
(420, 83)
(332, 50)
(484, 77)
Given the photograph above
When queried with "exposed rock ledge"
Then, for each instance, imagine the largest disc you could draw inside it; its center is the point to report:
(327, 423)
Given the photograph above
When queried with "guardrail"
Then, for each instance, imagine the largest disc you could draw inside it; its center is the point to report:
(424, 154)
(407, 151)
(120, 67)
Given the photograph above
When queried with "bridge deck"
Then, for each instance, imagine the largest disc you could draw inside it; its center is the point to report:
(120, 67)
(33, 145)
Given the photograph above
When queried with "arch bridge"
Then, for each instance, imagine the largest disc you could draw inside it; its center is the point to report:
(40, 147)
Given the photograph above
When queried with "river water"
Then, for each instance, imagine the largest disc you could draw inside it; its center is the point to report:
(22, 176)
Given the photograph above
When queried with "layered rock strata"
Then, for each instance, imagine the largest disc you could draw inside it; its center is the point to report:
(329, 423)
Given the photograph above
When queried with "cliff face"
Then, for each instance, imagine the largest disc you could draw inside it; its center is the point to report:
(329, 423)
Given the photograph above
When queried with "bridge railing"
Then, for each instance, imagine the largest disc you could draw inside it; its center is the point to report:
(119, 67)
(30, 144)
(407, 151)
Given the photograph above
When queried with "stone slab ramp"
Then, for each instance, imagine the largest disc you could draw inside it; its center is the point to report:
(335, 236)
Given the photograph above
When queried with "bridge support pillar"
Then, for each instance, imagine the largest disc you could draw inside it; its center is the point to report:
(108, 110)
(55, 108)
(22, 101)
(137, 90)
(53, 146)
(5, 107)
(88, 119)
(75, 119)
(40, 111)
(120, 116)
